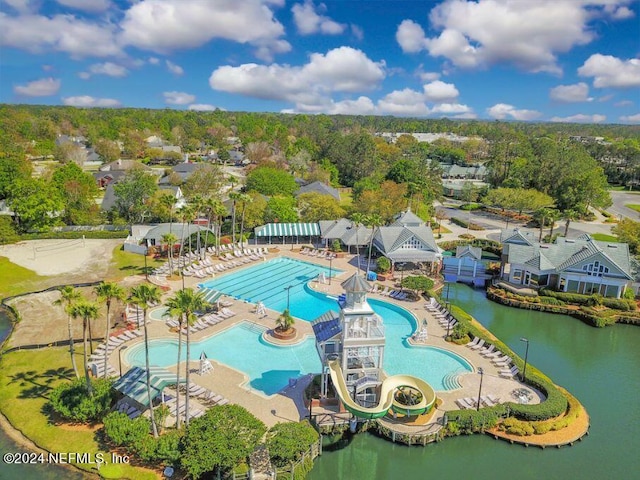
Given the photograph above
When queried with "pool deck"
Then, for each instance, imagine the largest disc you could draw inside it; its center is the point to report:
(288, 405)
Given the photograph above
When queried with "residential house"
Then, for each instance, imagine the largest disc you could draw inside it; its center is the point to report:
(319, 187)
(582, 265)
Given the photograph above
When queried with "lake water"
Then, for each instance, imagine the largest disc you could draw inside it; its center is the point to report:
(600, 366)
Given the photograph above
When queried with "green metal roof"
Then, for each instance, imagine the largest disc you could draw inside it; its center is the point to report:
(133, 384)
(288, 230)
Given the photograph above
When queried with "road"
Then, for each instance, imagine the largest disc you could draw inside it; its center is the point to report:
(620, 199)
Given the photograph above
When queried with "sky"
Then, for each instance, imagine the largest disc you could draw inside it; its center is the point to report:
(526, 60)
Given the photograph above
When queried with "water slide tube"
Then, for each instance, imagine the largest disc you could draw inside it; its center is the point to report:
(387, 390)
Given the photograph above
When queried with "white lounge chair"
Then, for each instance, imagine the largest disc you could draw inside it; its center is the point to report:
(478, 346)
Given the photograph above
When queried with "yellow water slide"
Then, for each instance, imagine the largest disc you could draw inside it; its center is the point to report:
(387, 391)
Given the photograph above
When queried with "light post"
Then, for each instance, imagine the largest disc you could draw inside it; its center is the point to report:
(146, 272)
(526, 356)
(401, 275)
(330, 269)
(288, 295)
(120, 358)
(447, 306)
(481, 372)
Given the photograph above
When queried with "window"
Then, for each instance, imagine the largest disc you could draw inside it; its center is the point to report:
(517, 275)
(595, 269)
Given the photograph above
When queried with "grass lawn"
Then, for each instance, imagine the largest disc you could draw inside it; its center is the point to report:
(633, 206)
(16, 279)
(124, 264)
(346, 198)
(603, 237)
(26, 379)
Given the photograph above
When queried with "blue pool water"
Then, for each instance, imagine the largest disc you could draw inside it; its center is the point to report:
(159, 314)
(269, 367)
(266, 282)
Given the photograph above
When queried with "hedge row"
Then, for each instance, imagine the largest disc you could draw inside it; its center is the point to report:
(623, 304)
(464, 224)
(555, 403)
(487, 245)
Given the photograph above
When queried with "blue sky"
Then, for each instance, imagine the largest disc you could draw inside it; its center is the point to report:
(531, 60)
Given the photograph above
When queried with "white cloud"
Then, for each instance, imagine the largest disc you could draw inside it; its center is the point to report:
(466, 116)
(630, 118)
(167, 25)
(343, 69)
(501, 111)
(108, 68)
(173, 68)
(610, 71)
(204, 107)
(154, 60)
(450, 108)
(361, 106)
(88, 101)
(61, 33)
(404, 102)
(308, 21)
(178, 98)
(86, 5)
(410, 36)
(581, 118)
(528, 34)
(39, 88)
(357, 31)
(22, 6)
(439, 91)
(623, 103)
(578, 92)
(619, 12)
(426, 76)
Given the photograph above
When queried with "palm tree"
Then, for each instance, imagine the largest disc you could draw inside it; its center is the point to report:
(235, 196)
(87, 311)
(198, 204)
(186, 214)
(144, 296)
(357, 219)
(220, 211)
(69, 295)
(211, 209)
(167, 200)
(374, 221)
(285, 321)
(170, 240)
(107, 292)
(569, 215)
(542, 215)
(553, 216)
(245, 199)
(183, 305)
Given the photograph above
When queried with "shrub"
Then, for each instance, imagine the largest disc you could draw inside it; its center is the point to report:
(471, 421)
(336, 246)
(459, 222)
(168, 446)
(383, 265)
(575, 298)
(550, 301)
(122, 431)
(470, 207)
(419, 283)
(460, 334)
(629, 294)
(288, 441)
(517, 427)
(73, 402)
(623, 304)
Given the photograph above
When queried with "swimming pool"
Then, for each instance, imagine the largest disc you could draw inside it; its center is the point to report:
(159, 314)
(269, 282)
(269, 367)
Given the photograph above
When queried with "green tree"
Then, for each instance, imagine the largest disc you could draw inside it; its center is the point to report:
(374, 222)
(518, 199)
(77, 189)
(36, 204)
(13, 169)
(107, 292)
(386, 202)
(357, 219)
(108, 150)
(206, 181)
(170, 239)
(68, 296)
(244, 200)
(8, 233)
(220, 439)
(144, 296)
(569, 216)
(316, 206)
(288, 441)
(417, 283)
(285, 321)
(281, 209)
(132, 193)
(254, 214)
(88, 311)
(183, 305)
(628, 231)
(271, 181)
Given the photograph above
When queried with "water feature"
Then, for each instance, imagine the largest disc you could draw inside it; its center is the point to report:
(599, 366)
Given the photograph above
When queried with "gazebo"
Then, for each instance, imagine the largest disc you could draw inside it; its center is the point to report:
(133, 384)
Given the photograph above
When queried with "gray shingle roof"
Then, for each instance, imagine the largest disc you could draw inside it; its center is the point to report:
(389, 240)
(344, 231)
(356, 283)
(468, 251)
(408, 219)
(319, 187)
